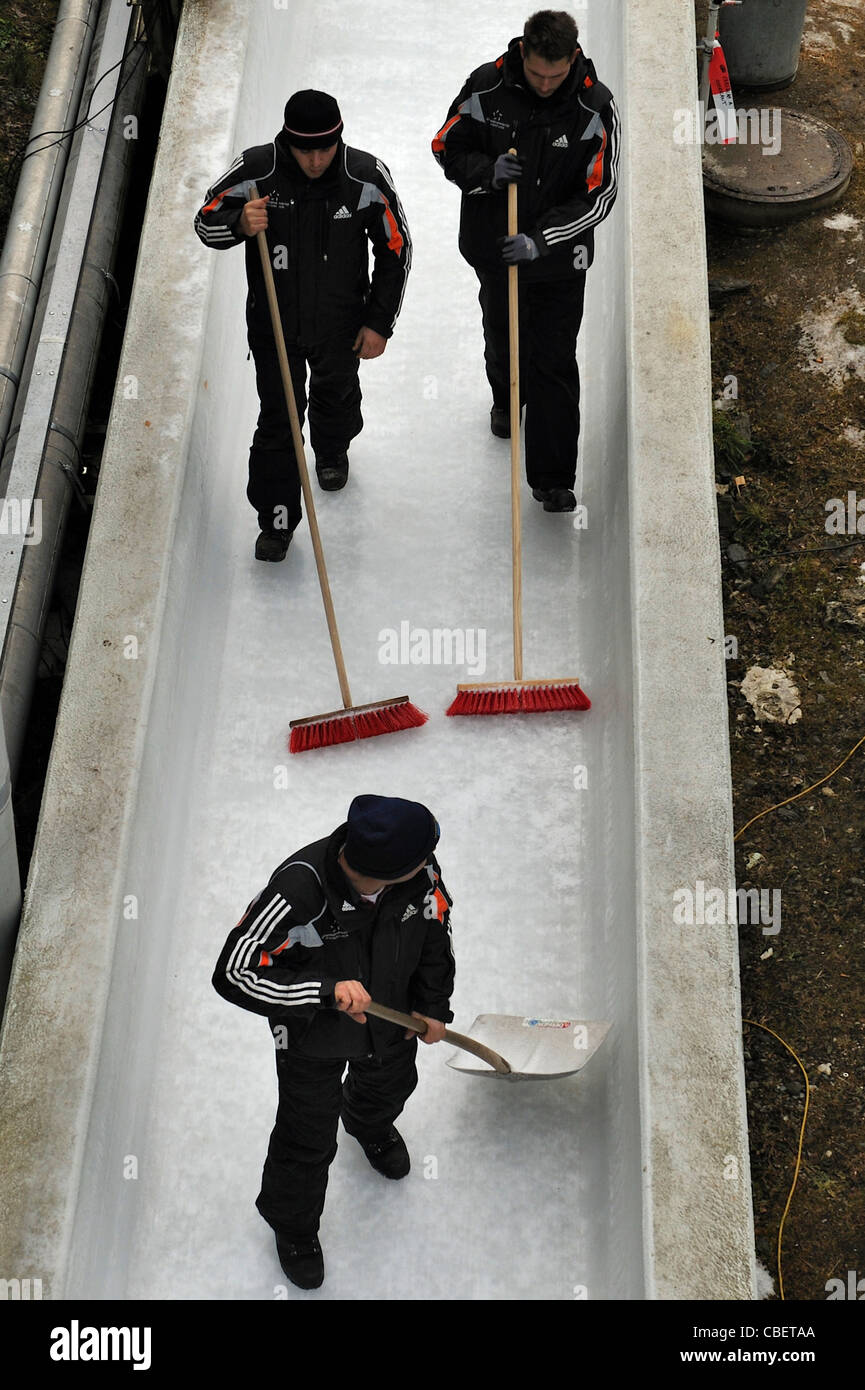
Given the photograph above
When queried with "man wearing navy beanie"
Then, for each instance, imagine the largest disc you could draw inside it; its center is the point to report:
(322, 204)
(360, 915)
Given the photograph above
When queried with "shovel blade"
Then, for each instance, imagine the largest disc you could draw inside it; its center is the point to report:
(542, 1048)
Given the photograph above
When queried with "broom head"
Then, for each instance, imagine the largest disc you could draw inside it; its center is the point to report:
(357, 721)
(519, 697)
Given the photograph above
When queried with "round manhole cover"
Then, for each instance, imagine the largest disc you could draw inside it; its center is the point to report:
(784, 165)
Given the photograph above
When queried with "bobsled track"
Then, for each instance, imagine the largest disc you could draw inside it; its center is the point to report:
(137, 1103)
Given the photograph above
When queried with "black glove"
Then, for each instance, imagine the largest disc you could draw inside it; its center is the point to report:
(507, 169)
(517, 248)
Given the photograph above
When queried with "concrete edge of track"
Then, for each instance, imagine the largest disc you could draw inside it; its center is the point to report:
(698, 1232)
(698, 1219)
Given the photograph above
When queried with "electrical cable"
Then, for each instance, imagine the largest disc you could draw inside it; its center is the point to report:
(754, 1023)
(769, 1030)
(805, 792)
(814, 550)
(16, 161)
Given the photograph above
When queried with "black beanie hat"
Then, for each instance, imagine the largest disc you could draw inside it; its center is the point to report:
(387, 837)
(312, 120)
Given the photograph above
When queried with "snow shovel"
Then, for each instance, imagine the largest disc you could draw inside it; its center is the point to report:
(540, 1048)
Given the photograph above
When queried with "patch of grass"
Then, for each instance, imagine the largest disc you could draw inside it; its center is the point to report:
(852, 325)
(732, 449)
(754, 527)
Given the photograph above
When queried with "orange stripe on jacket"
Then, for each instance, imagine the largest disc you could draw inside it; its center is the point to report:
(441, 904)
(395, 243)
(598, 167)
(438, 143)
(266, 959)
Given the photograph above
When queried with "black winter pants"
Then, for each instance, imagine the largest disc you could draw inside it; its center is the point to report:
(550, 314)
(334, 420)
(312, 1096)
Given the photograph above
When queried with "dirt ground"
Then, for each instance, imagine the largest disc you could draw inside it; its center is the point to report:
(795, 342)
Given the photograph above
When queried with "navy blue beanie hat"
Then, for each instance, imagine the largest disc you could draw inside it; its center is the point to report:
(312, 120)
(387, 837)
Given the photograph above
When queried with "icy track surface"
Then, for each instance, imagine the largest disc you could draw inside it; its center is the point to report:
(517, 1191)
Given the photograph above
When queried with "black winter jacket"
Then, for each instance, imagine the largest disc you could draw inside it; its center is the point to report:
(568, 144)
(309, 929)
(318, 232)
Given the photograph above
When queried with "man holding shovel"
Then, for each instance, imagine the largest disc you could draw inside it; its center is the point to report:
(357, 917)
(542, 98)
(322, 204)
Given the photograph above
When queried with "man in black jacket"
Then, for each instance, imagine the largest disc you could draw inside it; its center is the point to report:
(543, 98)
(322, 203)
(361, 915)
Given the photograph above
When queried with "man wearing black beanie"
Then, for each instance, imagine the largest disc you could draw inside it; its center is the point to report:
(361, 915)
(321, 203)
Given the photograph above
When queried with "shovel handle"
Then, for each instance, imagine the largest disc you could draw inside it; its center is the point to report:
(418, 1025)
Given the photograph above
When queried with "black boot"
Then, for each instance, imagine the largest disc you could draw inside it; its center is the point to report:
(555, 499)
(332, 473)
(388, 1156)
(301, 1259)
(272, 545)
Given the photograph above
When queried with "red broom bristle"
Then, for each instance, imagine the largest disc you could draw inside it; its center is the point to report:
(339, 730)
(574, 697)
(373, 722)
(541, 698)
(526, 699)
(345, 728)
(460, 703)
(410, 717)
(321, 733)
(502, 701)
(389, 719)
(298, 742)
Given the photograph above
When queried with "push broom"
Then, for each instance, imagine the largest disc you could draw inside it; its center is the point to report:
(522, 696)
(352, 721)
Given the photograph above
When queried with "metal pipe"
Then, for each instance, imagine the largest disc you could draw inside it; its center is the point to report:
(10, 882)
(58, 472)
(31, 221)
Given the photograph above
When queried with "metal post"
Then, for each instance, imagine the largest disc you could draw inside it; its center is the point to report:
(706, 46)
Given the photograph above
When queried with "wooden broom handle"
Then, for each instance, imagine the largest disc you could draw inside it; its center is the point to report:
(516, 528)
(288, 387)
(417, 1025)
